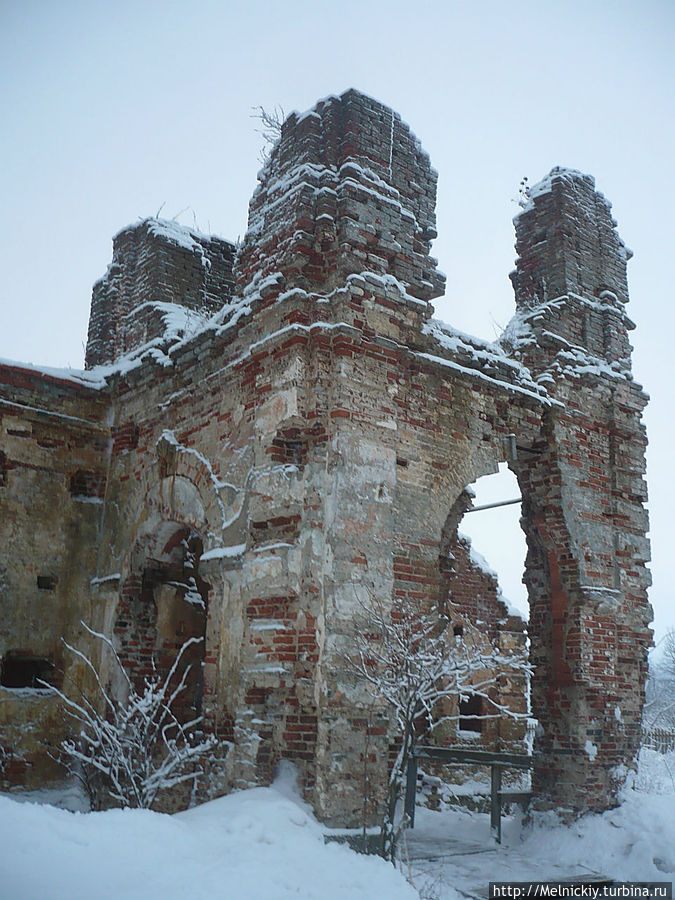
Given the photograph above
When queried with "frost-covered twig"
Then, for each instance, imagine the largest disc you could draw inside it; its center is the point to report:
(271, 123)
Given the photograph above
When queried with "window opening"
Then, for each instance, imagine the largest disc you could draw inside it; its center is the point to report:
(86, 484)
(20, 670)
(470, 710)
(47, 582)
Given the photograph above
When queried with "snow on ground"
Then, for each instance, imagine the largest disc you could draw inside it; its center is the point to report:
(634, 842)
(260, 844)
(264, 844)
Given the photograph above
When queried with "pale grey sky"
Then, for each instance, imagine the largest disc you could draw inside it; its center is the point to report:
(109, 110)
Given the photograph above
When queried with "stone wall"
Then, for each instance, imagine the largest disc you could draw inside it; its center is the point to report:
(54, 439)
(312, 440)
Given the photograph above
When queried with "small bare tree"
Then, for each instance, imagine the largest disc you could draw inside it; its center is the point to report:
(409, 659)
(270, 128)
(669, 652)
(135, 747)
(659, 711)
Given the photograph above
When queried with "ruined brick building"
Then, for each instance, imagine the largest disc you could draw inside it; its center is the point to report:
(265, 435)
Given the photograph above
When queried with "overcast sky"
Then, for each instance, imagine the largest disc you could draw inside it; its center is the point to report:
(109, 111)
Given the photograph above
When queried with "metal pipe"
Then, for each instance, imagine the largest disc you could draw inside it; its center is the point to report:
(495, 505)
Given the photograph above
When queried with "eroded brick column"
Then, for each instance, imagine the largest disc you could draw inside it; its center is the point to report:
(583, 494)
(348, 189)
(161, 275)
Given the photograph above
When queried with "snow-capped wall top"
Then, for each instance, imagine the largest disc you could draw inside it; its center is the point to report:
(347, 183)
(566, 241)
(170, 229)
(530, 192)
(157, 263)
(480, 359)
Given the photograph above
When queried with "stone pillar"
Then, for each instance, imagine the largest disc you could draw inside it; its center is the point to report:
(583, 494)
(340, 227)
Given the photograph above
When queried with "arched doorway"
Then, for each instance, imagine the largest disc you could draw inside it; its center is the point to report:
(162, 614)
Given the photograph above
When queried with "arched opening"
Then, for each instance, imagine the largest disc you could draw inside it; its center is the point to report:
(493, 528)
(162, 608)
(487, 611)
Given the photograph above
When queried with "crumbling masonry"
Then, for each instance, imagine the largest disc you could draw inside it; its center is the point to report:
(266, 437)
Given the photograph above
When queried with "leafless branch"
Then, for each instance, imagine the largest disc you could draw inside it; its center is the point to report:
(270, 128)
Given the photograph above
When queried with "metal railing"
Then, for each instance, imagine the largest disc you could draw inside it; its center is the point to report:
(660, 739)
(495, 760)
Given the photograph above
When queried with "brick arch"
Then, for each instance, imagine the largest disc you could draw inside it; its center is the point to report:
(148, 617)
(186, 495)
(421, 542)
(206, 502)
(468, 592)
(163, 603)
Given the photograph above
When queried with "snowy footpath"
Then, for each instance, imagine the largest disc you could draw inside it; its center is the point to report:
(264, 844)
(450, 854)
